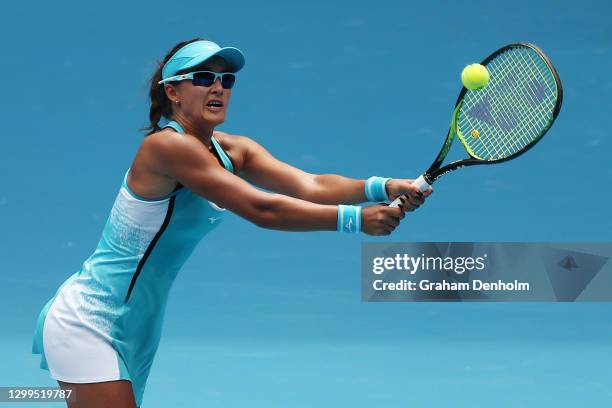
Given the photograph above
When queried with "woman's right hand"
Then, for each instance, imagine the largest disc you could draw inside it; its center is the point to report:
(381, 219)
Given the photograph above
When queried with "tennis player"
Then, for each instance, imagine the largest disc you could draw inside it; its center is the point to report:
(99, 333)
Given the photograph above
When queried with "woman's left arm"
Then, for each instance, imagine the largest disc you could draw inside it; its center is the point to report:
(264, 170)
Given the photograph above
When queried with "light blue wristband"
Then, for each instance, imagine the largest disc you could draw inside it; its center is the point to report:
(375, 188)
(349, 218)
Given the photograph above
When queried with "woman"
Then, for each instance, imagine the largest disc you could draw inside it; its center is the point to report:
(98, 335)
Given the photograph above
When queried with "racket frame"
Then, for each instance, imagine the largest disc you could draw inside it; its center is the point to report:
(435, 170)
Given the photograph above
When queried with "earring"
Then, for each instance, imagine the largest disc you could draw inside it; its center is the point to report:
(177, 102)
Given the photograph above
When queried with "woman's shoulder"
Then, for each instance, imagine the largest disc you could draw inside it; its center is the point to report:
(232, 145)
(232, 140)
(165, 137)
(227, 138)
(159, 136)
(165, 143)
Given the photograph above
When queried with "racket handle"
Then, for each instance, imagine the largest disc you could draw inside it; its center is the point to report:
(420, 183)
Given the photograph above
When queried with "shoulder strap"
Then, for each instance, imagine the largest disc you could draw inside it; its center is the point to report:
(174, 125)
(227, 162)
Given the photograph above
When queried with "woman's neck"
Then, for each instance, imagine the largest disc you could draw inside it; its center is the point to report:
(202, 132)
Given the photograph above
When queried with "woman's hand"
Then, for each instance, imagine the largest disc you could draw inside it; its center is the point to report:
(398, 187)
(381, 219)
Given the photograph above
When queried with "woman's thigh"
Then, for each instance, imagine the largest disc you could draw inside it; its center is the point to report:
(108, 394)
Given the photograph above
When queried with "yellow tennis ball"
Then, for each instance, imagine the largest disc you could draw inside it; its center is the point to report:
(475, 76)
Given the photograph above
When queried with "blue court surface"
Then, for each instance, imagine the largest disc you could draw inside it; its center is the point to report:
(261, 318)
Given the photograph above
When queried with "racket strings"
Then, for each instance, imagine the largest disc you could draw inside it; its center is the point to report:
(535, 122)
(513, 110)
(509, 110)
(507, 119)
(508, 114)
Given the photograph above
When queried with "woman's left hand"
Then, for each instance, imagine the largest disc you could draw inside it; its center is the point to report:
(398, 187)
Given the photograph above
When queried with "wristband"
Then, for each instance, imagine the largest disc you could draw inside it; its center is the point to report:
(375, 188)
(349, 218)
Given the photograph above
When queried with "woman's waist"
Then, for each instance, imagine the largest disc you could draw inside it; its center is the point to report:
(100, 306)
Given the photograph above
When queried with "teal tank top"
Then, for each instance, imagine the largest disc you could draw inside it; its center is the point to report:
(121, 290)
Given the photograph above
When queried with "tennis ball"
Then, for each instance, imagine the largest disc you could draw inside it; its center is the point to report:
(475, 77)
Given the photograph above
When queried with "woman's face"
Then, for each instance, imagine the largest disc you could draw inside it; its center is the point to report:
(199, 104)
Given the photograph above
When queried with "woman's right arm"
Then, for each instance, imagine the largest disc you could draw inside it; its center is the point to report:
(187, 160)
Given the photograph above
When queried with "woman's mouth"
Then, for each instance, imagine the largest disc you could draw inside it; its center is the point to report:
(215, 105)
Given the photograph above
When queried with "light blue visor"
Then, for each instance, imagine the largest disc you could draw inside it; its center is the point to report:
(197, 52)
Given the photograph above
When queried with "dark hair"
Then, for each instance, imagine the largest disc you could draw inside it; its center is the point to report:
(160, 104)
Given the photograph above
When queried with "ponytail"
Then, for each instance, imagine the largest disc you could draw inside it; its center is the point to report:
(160, 104)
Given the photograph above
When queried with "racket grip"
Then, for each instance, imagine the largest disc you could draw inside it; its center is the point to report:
(420, 183)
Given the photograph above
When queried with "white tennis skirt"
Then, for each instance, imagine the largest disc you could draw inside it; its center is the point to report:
(71, 349)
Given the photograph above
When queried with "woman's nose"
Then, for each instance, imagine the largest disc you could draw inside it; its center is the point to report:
(216, 86)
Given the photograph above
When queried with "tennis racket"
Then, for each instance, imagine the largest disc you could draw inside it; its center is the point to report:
(506, 118)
